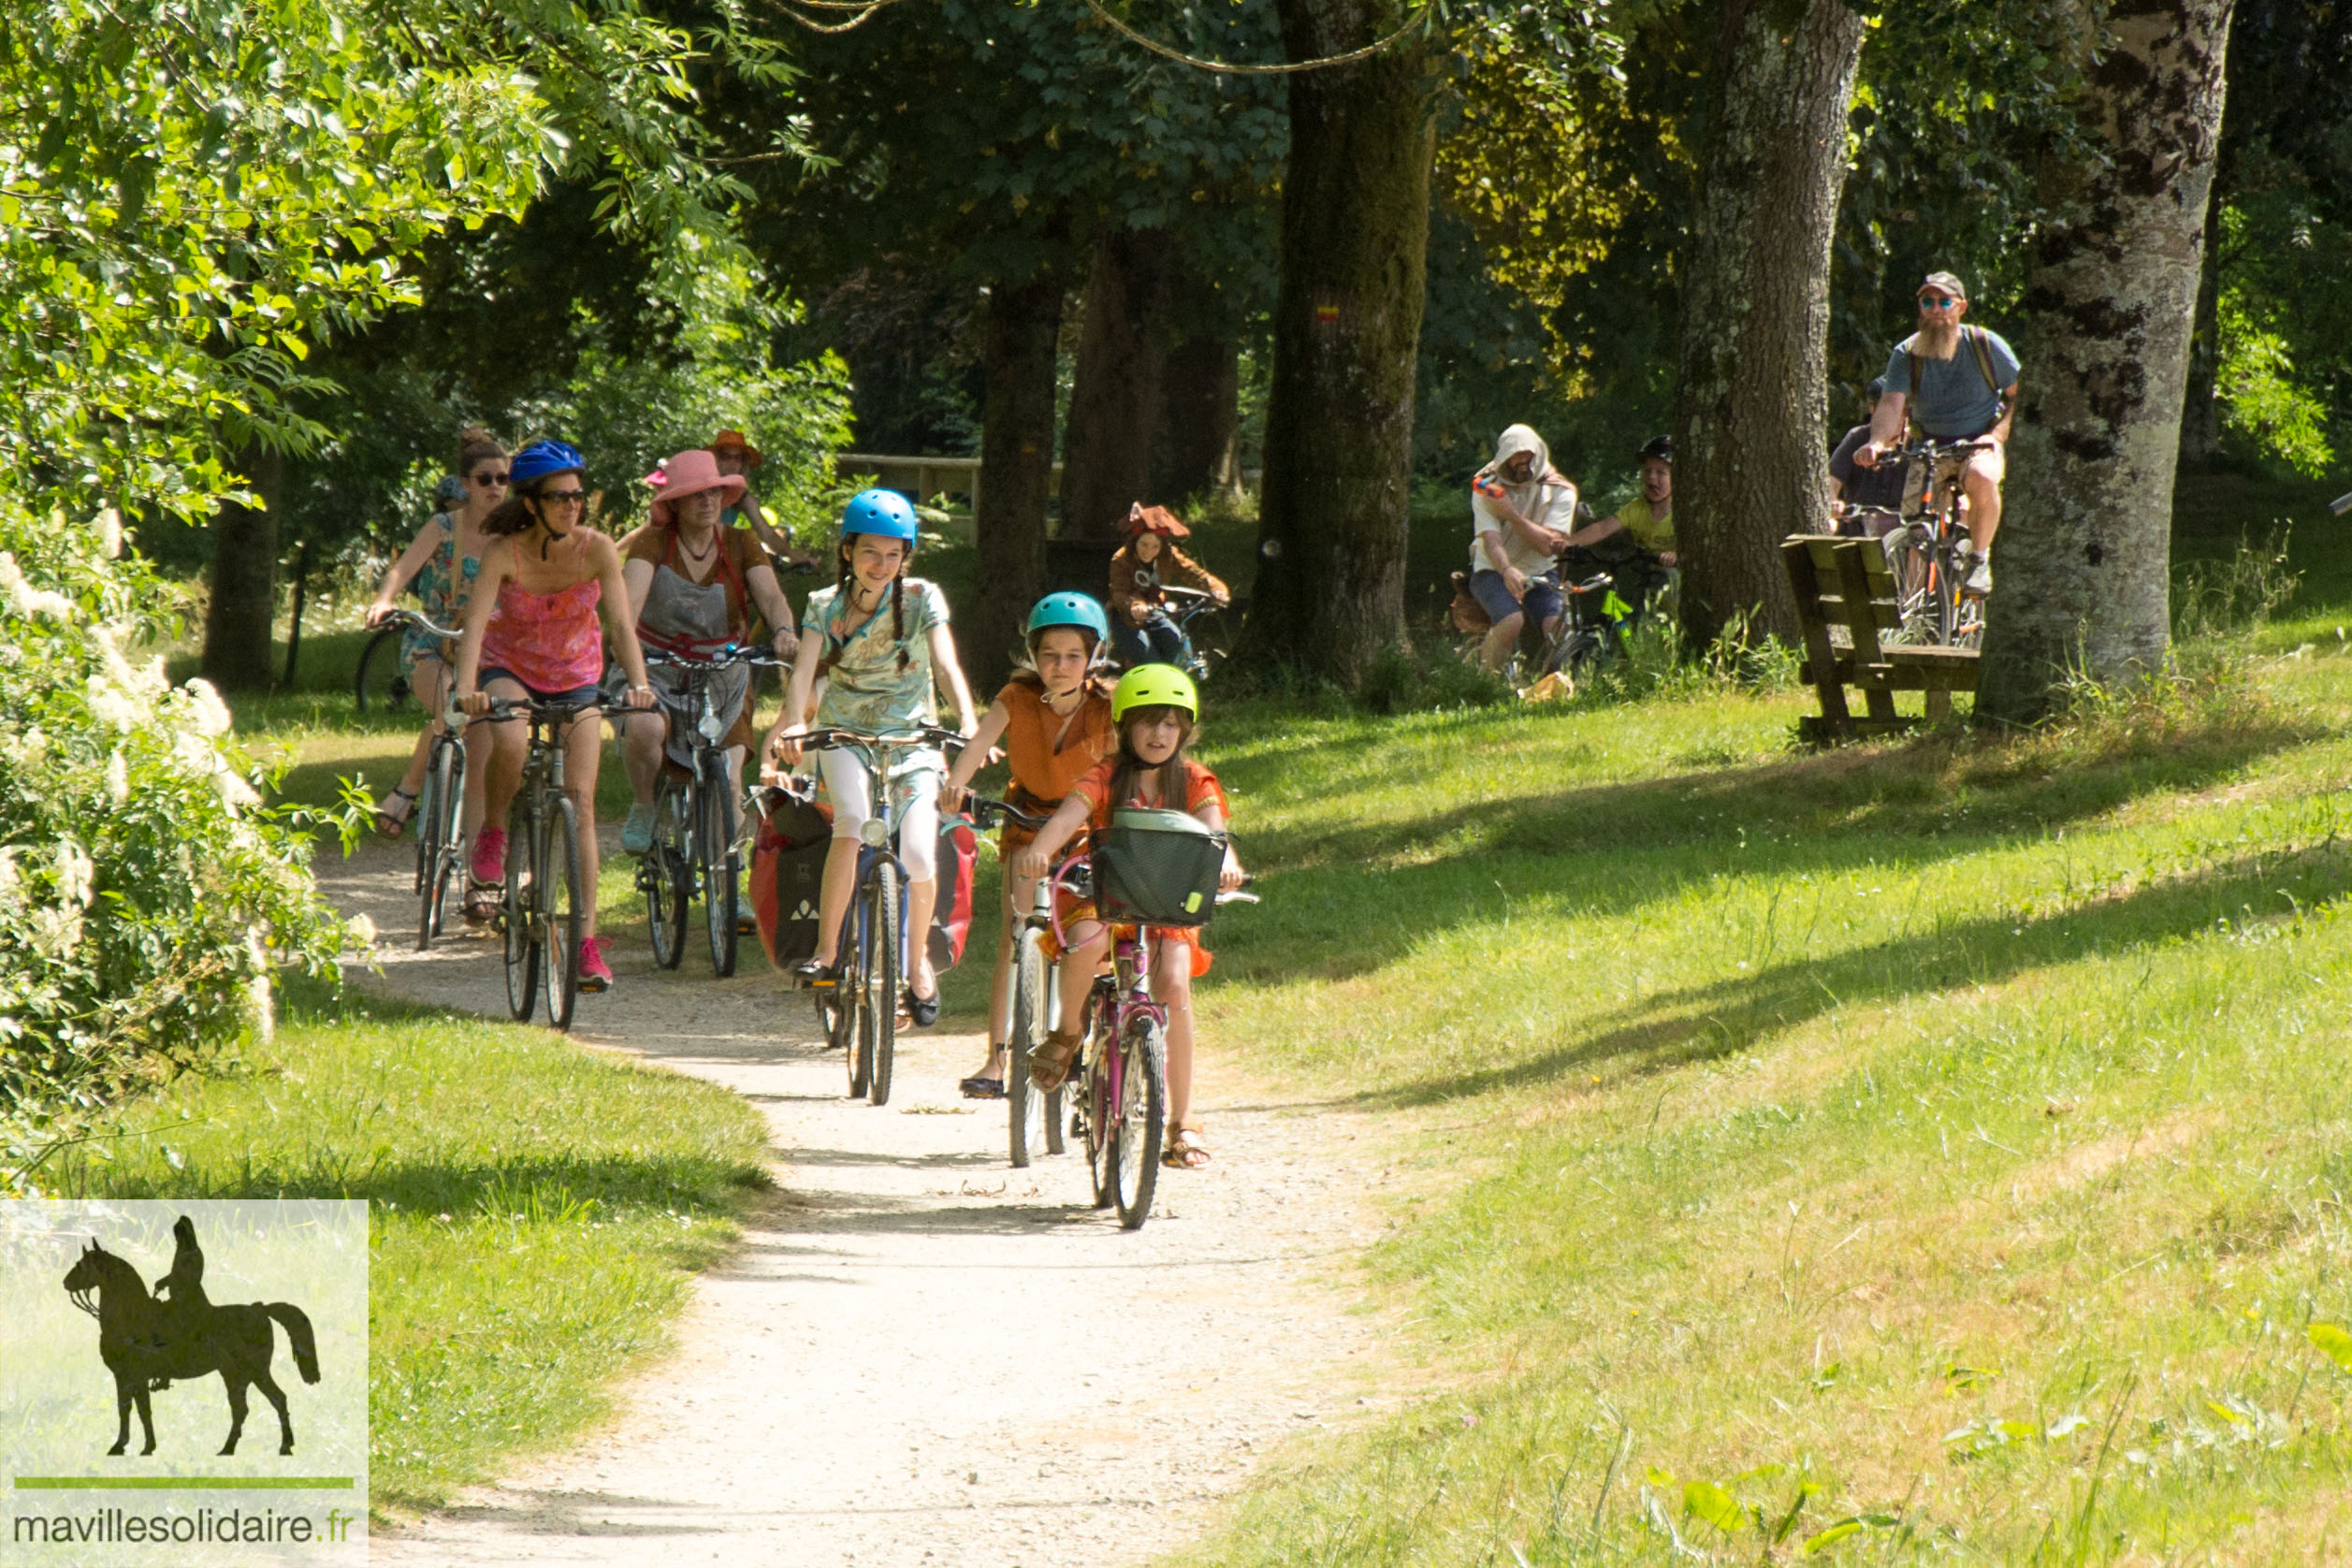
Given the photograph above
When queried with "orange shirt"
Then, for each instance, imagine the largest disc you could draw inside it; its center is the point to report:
(1200, 786)
(1048, 751)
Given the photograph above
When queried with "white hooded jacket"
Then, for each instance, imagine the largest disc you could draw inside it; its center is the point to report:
(1547, 499)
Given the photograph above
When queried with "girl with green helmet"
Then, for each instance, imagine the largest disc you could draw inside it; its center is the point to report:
(881, 640)
(1053, 718)
(1156, 711)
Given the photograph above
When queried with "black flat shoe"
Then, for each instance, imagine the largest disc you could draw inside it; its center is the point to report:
(925, 1010)
(980, 1088)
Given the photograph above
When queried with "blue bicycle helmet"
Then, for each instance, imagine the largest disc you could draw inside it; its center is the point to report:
(879, 511)
(1067, 609)
(542, 459)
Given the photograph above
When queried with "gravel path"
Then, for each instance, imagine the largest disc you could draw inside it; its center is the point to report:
(920, 1356)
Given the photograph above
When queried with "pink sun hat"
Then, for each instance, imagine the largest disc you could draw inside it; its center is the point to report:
(690, 474)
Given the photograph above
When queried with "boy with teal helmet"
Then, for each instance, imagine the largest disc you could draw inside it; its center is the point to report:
(1054, 722)
(1155, 711)
(881, 640)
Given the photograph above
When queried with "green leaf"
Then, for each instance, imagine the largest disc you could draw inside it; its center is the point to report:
(2330, 1338)
(1822, 1540)
(1707, 1500)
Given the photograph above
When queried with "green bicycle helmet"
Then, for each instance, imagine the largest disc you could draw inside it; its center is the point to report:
(1149, 686)
(1067, 609)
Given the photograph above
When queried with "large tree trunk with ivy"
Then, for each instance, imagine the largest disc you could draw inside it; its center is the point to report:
(1753, 398)
(1025, 324)
(1114, 399)
(244, 582)
(1329, 594)
(1201, 393)
(2081, 570)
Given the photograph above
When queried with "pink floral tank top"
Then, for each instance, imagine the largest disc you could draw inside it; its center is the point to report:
(550, 641)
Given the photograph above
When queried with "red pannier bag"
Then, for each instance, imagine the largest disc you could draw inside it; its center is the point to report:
(788, 872)
(952, 914)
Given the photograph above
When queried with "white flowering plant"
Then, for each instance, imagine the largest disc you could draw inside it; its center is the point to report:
(146, 892)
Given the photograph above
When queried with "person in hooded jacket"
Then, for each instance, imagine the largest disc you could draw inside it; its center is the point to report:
(1141, 631)
(1521, 512)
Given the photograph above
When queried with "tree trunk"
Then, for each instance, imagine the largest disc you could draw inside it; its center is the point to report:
(2200, 408)
(1752, 395)
(2081, 569)
(1115, 401)
(1333, 516)
(1025, 322)
(1200, 413)
(244, 598)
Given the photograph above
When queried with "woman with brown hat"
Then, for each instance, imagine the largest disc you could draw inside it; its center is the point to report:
(1148, 563)
(692, 586)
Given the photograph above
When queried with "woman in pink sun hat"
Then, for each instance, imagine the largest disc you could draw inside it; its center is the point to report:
(694, 588)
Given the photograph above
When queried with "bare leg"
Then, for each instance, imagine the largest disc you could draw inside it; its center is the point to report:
(1075, 974)
(642, 735)
(582, 749)
(833, 897)
(1500, 641)
(1981, 482)
(922, 898)
(431, 676)
(1171, 986)
(508, 741)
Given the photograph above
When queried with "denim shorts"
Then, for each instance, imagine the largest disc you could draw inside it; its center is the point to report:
(1542, 605)
(578, 696)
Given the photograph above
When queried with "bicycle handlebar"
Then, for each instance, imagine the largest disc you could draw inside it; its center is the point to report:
(985, 809)
(409, 618)
(828, 737)
(732, 654)
(536, 711)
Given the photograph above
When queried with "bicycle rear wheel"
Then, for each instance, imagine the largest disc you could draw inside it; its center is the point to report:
(661, 874)
(714, 846)
(381, 684)
(1143, 1124)
(560, 906)
(519, 915)
(1026, 1105)
(887, 971)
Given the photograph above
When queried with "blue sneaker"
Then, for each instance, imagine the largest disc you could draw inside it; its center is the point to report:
(636, 835)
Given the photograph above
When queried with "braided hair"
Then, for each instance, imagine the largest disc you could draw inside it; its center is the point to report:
(842, 600)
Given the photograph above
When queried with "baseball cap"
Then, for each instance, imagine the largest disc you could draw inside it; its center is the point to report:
(1945, 282)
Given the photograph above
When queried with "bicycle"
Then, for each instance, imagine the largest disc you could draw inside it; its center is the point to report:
(694, 851)
(1596, 617)
(1034, 1116)
(542, 916)
(1122, 1070)
(439, 803)
(859, 1007)
(379, 678)
(1926, 556)
(1186, 605)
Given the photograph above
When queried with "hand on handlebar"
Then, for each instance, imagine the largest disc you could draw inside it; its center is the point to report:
(1515, 580)
(1231, 877)
(786, 643)
(1030, 862)
(638, 698)
(379, 614)
(784, 752)
(954, 797)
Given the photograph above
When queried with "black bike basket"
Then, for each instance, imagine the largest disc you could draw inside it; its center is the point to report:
(1158, 868)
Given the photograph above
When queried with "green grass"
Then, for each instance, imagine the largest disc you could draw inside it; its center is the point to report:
(535, 1210)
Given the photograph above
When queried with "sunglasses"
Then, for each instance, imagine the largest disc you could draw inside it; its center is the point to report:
(562, 498)
(489, 481)
(1936, 301)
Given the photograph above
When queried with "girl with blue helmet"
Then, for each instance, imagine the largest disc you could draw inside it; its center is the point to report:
(1054, 716)
(532, 633)
(880, 640)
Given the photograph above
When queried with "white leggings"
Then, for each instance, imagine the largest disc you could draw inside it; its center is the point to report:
(850, 788)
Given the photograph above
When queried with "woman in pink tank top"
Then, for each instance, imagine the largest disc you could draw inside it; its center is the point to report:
(533, 631)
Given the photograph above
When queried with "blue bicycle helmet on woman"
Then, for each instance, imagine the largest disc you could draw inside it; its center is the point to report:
(885, 513)
(1066, 609)
(542, 459)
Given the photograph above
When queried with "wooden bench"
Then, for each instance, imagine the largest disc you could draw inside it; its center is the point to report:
(1846, 582)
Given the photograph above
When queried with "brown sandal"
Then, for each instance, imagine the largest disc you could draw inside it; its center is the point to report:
(1185, 1151)
(1050, 1059)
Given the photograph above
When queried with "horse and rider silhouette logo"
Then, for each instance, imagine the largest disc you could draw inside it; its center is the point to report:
(150, 1341)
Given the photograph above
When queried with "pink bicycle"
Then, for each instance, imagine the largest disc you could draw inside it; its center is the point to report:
(1120, 1109)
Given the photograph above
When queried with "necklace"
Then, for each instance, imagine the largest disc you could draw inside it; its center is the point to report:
(709, 548)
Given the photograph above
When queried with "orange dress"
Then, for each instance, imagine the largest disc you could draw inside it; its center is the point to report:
(1049, 752)
(1200, 788)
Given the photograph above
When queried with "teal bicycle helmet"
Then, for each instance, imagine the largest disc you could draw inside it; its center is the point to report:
(1067, 609)
(879, 511)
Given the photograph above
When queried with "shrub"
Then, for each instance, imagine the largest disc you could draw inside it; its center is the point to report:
(145, 895)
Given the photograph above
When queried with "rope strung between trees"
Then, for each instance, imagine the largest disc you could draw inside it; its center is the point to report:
(864, 9)
(1417, 20)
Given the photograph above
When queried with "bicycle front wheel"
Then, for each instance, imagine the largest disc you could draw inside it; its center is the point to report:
(561, 909)
(663, 875)
(1143, 1124)
(520, 916)
(885, 969)
(1095, 1095)
(381, 686)
(1026, 1105)
(715, 853)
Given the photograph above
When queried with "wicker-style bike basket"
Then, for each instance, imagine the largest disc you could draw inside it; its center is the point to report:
(1158, 868)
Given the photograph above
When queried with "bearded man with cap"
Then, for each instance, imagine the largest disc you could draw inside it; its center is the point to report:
(1956, 383)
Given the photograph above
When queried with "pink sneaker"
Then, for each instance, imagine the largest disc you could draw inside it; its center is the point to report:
(595, 974)
(489, 856)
